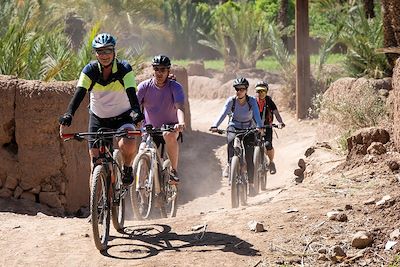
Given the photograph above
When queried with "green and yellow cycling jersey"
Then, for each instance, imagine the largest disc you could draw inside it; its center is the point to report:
(108, 98)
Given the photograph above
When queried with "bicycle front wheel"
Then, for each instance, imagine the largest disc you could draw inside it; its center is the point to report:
(118, 205)
(234, 178)
(142, 189)
(99, 207)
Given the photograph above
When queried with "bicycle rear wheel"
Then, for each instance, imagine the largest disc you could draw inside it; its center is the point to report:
(170, 207)
(142, 189)
(118, 205)
(257, 170)
(234, 178)
(264, 173)
(100, 207)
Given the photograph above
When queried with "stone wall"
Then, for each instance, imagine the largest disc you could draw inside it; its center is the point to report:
(36, 164)
(396, 108)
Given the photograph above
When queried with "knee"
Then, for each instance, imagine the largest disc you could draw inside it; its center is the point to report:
(268, 145)
(170, 138)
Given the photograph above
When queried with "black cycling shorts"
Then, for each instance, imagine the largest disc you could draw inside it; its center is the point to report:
(124, 121)
(268, 138)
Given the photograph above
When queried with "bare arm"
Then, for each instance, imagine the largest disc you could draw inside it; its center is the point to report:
(180, 111)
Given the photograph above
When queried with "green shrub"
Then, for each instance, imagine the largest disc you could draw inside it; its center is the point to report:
(352, 110)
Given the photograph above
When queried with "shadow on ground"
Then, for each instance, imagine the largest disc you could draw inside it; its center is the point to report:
(144, 241)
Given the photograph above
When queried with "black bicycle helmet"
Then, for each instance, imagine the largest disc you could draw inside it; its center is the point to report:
(103, 40)
(241, 81)
(262, 85)
(161, 60)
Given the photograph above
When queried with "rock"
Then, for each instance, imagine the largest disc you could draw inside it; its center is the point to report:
(370, 201)
(361, 239)
(299, 172)
(337, 216)
(36, 189)
(361, 140)
(51, 199)
(393, 165)
(5, 193)
(302, 164)
(309, 151)
(341, 217)
(299, 179)
(386, 201)
(376, 148)
(332, 215)
(348, 207)
(256, 226)
(17, 192)
(29, 196)
(336, 253)
(11, 182)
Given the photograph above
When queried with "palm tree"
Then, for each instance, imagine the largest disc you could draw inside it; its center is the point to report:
(369, 9)
(283, 19)
(391, 21)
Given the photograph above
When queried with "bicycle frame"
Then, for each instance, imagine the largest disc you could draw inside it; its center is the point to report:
(153, 184)
(106, 193)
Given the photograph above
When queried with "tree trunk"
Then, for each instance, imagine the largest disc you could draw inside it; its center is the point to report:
(369, 9)
(391, 28)
(283, 19)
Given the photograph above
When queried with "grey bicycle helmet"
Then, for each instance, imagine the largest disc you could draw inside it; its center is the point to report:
(103, 40)
(262, 86)
(241, 81)
(161, 60)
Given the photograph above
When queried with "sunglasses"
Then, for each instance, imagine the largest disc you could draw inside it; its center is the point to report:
(160, 69)
(105, 51)
(240, 89)
(262, 91)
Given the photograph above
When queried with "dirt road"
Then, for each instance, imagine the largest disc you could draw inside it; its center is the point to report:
(42, 240)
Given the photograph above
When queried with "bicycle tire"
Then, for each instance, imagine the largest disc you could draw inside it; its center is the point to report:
(171, 193)
(141, 167)
(264, 174)
(234, 176)
(99, 207)
(118, 208)
(257, 170)
(243, 192)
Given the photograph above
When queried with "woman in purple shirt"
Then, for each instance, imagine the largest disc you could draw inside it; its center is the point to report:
(162, 100)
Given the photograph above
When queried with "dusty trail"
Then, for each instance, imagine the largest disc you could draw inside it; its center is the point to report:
(50, 241)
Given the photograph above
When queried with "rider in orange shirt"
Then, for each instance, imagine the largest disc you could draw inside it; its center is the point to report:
(268, 110)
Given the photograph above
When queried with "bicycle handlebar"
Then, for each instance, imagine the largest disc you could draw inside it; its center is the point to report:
(159, 130)
(247, 130)
(104, 134)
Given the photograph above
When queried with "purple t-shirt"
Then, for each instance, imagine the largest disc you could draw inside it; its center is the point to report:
(159, 103)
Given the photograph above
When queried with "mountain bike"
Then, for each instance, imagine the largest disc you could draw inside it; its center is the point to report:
(238, 178)
(107, 192)
(151, 188)
(260, 163)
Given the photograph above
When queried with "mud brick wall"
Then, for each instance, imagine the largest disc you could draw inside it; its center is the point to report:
(36, 164)
(396, 109)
